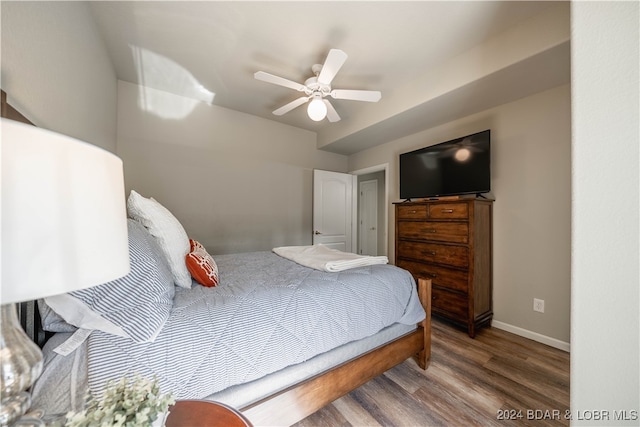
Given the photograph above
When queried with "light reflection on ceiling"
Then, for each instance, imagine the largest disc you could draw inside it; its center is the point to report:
(163, 74)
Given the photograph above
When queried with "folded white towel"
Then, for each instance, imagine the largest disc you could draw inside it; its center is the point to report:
(321, 257)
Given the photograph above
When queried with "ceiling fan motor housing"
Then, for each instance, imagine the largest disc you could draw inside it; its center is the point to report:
(313, 86)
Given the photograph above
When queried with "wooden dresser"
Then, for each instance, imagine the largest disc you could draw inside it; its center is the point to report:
(450, 242)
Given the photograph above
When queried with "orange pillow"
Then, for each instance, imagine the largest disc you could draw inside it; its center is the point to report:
(201, 265)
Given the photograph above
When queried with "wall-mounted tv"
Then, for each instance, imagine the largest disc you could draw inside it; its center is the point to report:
(459, 166)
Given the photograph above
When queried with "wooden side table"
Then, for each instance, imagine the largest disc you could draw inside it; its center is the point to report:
(203, 413)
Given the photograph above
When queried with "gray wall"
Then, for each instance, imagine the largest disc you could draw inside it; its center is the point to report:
(56, 71)
(236, 182)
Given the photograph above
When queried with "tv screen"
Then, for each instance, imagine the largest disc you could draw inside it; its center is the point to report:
(459, 166)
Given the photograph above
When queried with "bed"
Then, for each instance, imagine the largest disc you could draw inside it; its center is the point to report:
(274, 339)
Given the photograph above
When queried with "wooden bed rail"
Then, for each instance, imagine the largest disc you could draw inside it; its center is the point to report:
(424, 293)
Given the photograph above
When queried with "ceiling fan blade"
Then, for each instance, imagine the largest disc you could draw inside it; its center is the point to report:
(290, 106)
(333, 63)
(281, 81)
(332, 114)
(357, 95)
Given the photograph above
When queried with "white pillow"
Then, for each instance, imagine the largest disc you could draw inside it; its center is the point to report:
(168, 232)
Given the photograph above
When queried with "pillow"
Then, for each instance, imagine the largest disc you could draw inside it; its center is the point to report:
(168, 232)
(136, 305)
(51, 321)
(201, 265)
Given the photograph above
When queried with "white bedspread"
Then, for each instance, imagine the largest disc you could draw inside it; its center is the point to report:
(323, 258)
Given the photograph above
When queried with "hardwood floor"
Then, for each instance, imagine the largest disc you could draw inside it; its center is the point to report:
(496, 379)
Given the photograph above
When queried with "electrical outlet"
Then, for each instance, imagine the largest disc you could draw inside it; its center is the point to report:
(538, 305)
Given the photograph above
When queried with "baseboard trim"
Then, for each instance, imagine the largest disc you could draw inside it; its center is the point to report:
(561, 345)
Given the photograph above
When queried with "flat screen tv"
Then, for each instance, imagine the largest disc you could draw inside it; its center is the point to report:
(459, 166)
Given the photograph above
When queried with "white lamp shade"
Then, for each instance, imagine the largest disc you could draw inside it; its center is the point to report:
(317, 110)
(64, 222)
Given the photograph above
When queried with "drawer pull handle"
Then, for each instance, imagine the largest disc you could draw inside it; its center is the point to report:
(413, 211)
(432, 275)
(433, 230)
(447, 210)
(432, 253)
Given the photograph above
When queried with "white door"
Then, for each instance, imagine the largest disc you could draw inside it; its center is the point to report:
(368, 207)
(332, 209)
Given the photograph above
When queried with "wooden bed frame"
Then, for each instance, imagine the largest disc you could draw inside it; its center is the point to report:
(303, 399)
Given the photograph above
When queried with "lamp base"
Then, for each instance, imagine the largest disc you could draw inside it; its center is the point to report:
(20, 363)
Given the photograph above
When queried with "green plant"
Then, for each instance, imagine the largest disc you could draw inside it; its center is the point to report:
(127, 403)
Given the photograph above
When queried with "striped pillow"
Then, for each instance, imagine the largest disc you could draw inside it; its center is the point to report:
(136, 305)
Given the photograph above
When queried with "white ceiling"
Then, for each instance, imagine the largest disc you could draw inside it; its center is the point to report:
(200, 49)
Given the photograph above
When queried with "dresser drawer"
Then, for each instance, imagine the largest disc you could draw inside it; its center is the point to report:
(448, 211)
(440, 276)
(457, 256)
(453, 232)
(452, 305)
(412, 212)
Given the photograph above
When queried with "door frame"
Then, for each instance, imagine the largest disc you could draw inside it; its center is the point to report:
(385, 231)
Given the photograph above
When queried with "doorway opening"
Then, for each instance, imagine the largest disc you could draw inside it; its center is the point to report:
(371, 213)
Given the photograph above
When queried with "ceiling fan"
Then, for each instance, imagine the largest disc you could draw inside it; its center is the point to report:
(317, 88)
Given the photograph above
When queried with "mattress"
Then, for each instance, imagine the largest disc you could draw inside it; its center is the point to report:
(267, 314)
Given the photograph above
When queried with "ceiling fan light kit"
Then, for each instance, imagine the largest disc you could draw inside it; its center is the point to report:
(318, 87)
(317, 110)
